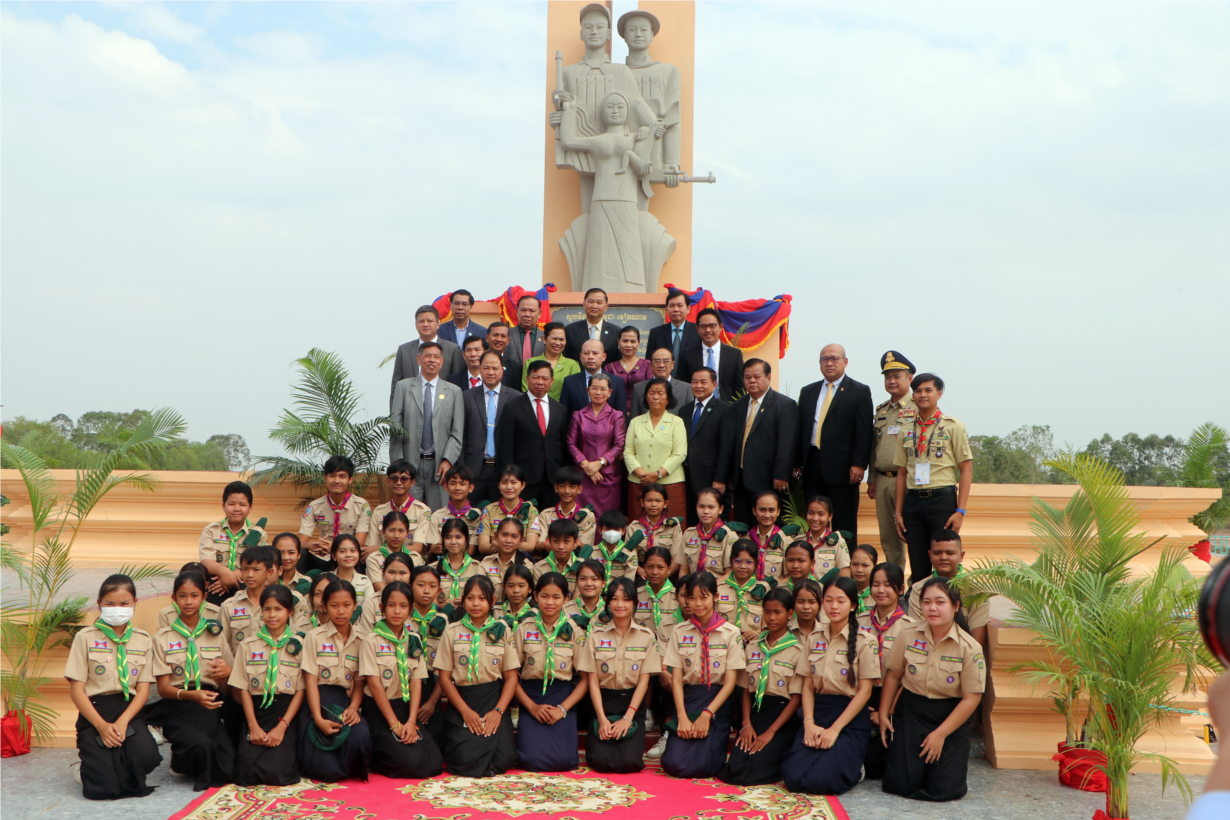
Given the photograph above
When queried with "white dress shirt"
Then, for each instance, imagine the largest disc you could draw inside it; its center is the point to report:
(546, 407)
(829, 387)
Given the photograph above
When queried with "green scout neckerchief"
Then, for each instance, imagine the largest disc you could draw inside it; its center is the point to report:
(402, 647)
(591, 616)
(762, 680)
(422, 623)
(549, 637)
(864, 600)
(456, 577)
(235, 540)
(271, 667)
(192, 667)
(656, 600)
(121, 654)
(514, 619)
(554, 566)
(608, 558)
(740, 596)
(476, 631)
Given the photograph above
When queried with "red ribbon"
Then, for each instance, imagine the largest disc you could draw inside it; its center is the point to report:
(337, 512)
(715, 620)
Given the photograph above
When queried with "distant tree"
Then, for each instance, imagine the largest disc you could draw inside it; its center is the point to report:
(235, 449)
(1017, 458)
(1205, 462)
(1143, 461)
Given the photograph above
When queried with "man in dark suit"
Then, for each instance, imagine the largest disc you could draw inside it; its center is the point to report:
(472, 352)
(498, 341)
(836, 419)
(484, 405)
(722, 359)
(711, 438)
(765, 427)
(531, 435)
(406, 362)
(593, 326)
(678, 333)
(525, 340)
(575, 393)
(663, 366)
(460, 327)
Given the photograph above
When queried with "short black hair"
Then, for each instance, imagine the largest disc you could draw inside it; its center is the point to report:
(548, 579)
(342, 538)
(710, 312)
(563, 528)
(551, 326)
(539, 364)
(456, 525)
(427, 309)
(285, 535)
(395, 586)
(631, 329)
(569, 475)
(487, 351)
(461, 471)
(674, 293)
(498, 323)
(871, 552)
(512, 470)
(525, 296)
(946, 535)
(425, 346)
(666, 385)
(462, 292)
(768, 368)
(923, 378)
(592, 291)
(280, 594)
(712, 373)
(260, 555)
(612, 520)
(240, 487)
(400, 465)
(339, 464)
(469, 340)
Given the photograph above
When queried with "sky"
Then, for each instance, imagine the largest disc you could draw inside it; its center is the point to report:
(1032, 200)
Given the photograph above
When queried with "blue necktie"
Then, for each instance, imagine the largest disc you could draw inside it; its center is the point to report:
(700, 408)
(709, 363)
(491, 403)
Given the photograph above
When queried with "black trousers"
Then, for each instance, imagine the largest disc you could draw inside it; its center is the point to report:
(543, 493)
(741, 509)
(486, 485)
(844, 495)
(924, 516)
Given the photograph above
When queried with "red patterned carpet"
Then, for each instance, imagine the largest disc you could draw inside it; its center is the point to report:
(579, 795)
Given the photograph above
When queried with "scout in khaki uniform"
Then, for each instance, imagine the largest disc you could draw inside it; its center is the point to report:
(508, 535)
(841, 667)
(945, 556)
(192, 662)
(740, 593)
(707, 545)
(660, 530)
(392, 661)
(586, 608)
(429, 537)
(241, 613)
(456, 566)
(498, 511)
(478, 664)
(401, 569)
(339, 512)
(771, 693)
(168, 614)
(336, 742)
(267, 678)
(943, 671)
(882, 622)
(890, 417)
(549, 687)
(563, 539)
(617, 555)
(656, 600)
(400, 475)
(705, 655)
(621, 658)
(586, 521)
(429, 622)
(935, 470)
(109, 672)
(222, 541)
(396, 538)
(770, 539)
(830, 553)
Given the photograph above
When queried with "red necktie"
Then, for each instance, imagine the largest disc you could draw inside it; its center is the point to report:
(542, 417)
(474, 380)
(527, 345)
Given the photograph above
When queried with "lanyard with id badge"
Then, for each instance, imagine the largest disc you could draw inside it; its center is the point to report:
(922, 469)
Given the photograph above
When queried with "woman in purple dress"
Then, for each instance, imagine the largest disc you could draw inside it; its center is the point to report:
(632, 369)
(596, 442)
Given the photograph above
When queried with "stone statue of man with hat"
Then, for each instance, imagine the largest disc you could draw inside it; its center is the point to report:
(659, 85)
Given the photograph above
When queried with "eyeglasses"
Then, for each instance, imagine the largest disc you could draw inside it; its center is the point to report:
(743, 562)
(400, 479)
(830, 359)
(708, 326)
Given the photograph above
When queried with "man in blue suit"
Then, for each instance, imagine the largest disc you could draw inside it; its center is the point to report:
(575, 393)
(460, 327)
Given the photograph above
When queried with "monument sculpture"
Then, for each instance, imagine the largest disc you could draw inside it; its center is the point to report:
(617, 126)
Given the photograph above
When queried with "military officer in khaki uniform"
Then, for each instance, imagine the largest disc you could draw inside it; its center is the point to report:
(935, 471)
(882, 482)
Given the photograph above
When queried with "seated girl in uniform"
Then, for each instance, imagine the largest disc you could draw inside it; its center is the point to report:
(429, 624)
(660, 529)
(549, 686)
(478, 665)
(620, 658)
(862, 561)
(396, 566)
(310, 613)
(807, 615)
(508, 505)
(392, 660)
(771, 696)
(335, 742)
(109, 671)
(740, 593)
(192, 662)
(663, 704)
(455, 566)
(827, 754)
(587, 604)
(707, 545)
(509, 536)
(518, 586)
(770, 539)
(830, 547)
(705, 655)
(395, 530)
(267, 680)
(346, 551)
(943, 672)
(883, 622)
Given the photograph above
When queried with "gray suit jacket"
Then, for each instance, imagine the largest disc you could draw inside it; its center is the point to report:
(682, 391)
(406, 364)
(447, 420)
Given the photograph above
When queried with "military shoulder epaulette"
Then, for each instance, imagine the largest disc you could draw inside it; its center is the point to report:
(475, 513)
(565, 631)
(585, 552)
(581, 621)
(253, 538)
(294, 646)
(213, 627)
(496, 633)
(737, 527)
(672, 522)
(414, 645)
(437, 625)
(833, 539)
(791, 530)
(762, 588)
(635, 540)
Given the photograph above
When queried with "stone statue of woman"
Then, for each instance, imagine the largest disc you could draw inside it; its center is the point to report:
(613, 257)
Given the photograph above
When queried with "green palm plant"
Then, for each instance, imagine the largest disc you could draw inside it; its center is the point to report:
(43, 618)
(1113, 640)
(1203, 453)
(794, 506)
(324, 425)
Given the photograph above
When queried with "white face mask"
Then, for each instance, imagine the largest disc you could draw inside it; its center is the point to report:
(116, 615)
(612, 536)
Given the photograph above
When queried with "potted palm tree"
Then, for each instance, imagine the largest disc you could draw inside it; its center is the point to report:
(1114, 641)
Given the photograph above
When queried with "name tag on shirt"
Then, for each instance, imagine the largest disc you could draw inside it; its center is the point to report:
(894, 429)
(922, 472)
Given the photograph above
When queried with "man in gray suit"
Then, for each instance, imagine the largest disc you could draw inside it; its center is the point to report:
(429, 409)
(663, 364)
(483, 407)
(406, 364)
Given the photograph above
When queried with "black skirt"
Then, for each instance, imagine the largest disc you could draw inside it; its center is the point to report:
(877, 755)
(700, 757)
(436, 726)
(548, 748)
(262, 765)
(623, 756)
(199, 743)
(837, 769)
(350, 760)
(112, 774)
(469, 755)
(906, 773)
(764, 767)
(391, 757)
